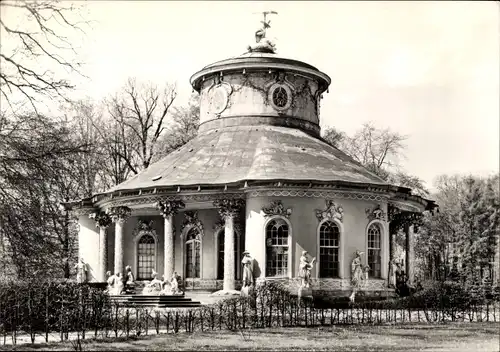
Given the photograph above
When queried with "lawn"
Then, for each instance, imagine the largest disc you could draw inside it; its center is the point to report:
(470, 337)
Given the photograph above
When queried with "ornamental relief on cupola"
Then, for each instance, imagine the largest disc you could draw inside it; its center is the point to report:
(274, 87)
(219, 95)
(281, 92)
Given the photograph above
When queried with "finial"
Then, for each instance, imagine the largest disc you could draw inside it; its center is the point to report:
(263, 45)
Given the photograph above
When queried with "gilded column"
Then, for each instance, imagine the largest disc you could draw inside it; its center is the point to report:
(228, 210)
(119, 215)
(411, 270)
(392, 214)
(102, 220)
(168, 209)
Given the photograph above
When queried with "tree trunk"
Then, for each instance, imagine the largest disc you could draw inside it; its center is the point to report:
(66, 246)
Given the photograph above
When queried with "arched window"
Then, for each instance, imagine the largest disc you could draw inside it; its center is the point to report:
(193, 253)
(329, 240)
(374, 246)
(277, 248)
(145, 257)
(220, 251)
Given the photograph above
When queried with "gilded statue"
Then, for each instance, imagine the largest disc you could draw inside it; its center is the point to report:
(305, 268)
(81, 271)
(359, 273)
(263, 45)
(247, 261)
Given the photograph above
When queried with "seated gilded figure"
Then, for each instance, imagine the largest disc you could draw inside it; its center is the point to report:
(263, 45)
(155, 286)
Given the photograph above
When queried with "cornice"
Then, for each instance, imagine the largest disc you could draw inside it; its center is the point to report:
(251, 189)
(249, 67)
(154, 199)
(315, 193)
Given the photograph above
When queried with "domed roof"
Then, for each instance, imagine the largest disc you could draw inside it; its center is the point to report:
(242, 153)
(253, 148)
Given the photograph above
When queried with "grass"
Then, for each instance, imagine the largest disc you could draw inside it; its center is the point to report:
(468, 337)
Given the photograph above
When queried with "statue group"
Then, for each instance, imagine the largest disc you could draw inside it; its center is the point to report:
(165, 287)
(117, 285)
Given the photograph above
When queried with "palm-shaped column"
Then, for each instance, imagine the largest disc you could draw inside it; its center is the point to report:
(119, 216)
(228, 210)
(102, 221)
(168, 209)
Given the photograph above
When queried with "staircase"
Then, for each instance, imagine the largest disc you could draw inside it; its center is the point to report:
(155, 301)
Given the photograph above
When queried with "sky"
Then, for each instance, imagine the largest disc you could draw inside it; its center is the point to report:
(428, 70)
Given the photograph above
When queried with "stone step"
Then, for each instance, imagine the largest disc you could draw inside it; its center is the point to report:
(156, 301)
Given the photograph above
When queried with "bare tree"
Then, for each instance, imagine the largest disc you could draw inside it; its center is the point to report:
(379, 150)
(334, 137)
(88, 127)
(140, 114)
(37, 50)
(183, 127)
(376, 148)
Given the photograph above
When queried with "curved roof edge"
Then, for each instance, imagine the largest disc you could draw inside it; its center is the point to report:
(394, 193)
(259, 62)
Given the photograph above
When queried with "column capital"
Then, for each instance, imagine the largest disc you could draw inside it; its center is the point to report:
(229, 206)
(119, 214)
(402, 219)
(170, 207)
(102, 220)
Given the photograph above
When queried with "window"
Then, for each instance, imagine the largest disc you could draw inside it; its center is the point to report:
(193, 253)
(220, 262)
(277, 248)
(374, 240)
(145, 257)
(280, 97)
(329, 237)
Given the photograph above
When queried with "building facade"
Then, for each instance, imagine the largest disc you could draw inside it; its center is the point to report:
(258, 177)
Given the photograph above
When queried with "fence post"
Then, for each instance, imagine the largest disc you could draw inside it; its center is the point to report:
(212, 319)
(127, 327)
(168, 320)
(157, 322)
(176, 322)
(115, 320)
(61, 317)
(137, 322)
